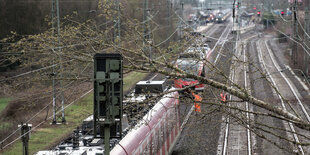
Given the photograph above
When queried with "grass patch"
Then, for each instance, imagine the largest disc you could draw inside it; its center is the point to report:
(5, 125)
(47, 135)
(4, 102)
(132, 78)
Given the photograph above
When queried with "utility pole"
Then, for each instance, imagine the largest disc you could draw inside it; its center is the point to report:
(181, 19)
(239, 16)
(306, 38)
(295, 26)
(54, 73)
(269, 6)
(234, 12)
(168, 13)
(146, 39)
(63, 120)
(239, 22)
(56, 25)
(117, 26)
(119, 20)
(168, 17)
(25, 129)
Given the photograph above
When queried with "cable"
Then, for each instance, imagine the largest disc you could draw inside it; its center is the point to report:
(29, 119)
(303, 46)
(67, 86)
(303, 29)
(46, 119)
(26, 73)
(166, 38)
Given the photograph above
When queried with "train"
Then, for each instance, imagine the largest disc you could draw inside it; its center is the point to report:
(152, 130)
(221, 16)
(205, 17)
(156, 133)
(192, 66)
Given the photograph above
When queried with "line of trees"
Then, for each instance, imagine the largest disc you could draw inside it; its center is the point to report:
(80, 41)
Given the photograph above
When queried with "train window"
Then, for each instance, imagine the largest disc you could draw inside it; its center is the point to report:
(158, 139)
(143, 149)
(155, 141)
(161, 135)
(147, 149)
(149, 146)
(168, 124)
(163, 125)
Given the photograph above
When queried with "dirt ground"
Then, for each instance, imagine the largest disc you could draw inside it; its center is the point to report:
(200, 135)
(32, 102)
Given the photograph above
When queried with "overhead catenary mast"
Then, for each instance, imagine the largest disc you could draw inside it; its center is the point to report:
(56, 25)
(117, 21)
(53, 73)
(295, 26)
(146, 38)
(306, 36)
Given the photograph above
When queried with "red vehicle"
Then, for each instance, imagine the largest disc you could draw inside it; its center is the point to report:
(157, 133)
(192, 66)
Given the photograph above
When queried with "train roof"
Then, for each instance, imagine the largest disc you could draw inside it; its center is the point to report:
(149, 121)
(150, 87)
(95, 146)
(79, 151)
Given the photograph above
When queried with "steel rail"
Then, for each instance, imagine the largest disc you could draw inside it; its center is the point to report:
(247, 105)
(225, 143)
(288, 83)
(260, 57)
(192, 108)
(212, 50)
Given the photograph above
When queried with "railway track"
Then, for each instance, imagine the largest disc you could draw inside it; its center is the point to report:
(286, 88)
(236, 137)
(288, 82)
(221, 41)
(218, 35)
(247, 108)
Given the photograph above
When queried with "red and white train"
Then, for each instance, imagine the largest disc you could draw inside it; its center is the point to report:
(157, 133)
(193, 66)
